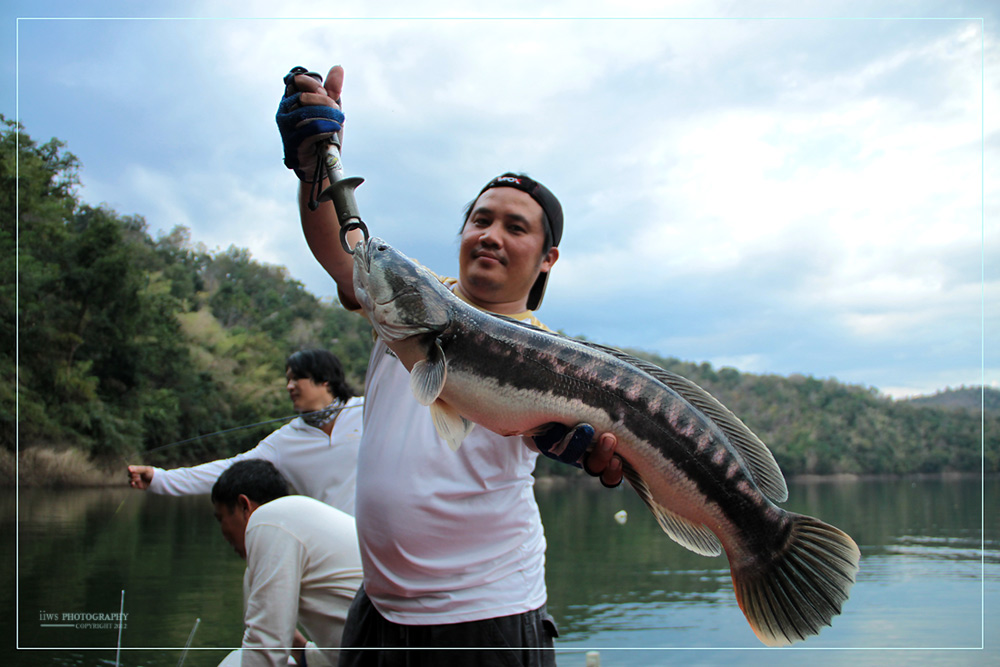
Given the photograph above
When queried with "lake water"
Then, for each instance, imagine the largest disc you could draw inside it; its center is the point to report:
(928, 592)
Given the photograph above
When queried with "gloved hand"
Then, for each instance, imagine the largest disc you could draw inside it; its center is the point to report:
(570, 446)
(305, 123)
(563, 445)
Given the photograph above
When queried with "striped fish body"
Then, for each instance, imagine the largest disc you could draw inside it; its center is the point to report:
(710, 483)
(515, 380)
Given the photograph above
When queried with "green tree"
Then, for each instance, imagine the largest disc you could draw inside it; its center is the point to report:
(37, 190)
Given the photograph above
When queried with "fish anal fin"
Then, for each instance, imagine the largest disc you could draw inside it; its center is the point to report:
(690, 535)
(428, 375)
(450, 425)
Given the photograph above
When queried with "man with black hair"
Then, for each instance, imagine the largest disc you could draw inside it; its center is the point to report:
(316, 452)
(303, 565)
(452, 542)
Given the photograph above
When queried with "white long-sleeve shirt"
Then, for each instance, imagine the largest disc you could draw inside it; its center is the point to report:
(303, 567)
(315, 464)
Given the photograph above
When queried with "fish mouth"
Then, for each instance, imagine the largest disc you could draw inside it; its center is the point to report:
(362, 274)
(362, 255)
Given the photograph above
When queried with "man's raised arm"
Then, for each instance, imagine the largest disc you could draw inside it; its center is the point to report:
(308, 116)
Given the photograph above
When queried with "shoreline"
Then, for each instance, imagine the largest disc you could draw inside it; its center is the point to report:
(551, 482)
(806, 478)
(43, 466)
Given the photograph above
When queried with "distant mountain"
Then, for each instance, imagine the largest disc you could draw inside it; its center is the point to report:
(963, 398)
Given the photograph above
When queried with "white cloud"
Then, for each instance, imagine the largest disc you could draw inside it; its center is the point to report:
(826, 171)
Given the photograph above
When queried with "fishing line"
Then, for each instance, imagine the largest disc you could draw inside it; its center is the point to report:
(245, 426)
(230, 430)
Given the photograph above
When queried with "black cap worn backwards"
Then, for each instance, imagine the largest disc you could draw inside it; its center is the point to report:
(552, 217)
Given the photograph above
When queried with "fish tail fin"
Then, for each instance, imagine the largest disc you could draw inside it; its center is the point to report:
(802, 587)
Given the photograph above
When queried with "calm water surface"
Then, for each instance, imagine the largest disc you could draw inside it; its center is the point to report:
(928, 593)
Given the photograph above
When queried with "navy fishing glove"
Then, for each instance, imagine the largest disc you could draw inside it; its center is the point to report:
(565, 445)
(303, 127)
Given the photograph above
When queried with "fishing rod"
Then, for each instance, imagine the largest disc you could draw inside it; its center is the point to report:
(187, 646)
(121, 612)
(246, 426)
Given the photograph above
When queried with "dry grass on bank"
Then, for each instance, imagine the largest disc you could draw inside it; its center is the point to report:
(51, 467)
(7, 467)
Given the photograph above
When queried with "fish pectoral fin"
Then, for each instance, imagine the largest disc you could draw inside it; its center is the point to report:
(450, 425)
(428, 375)
(690, 535)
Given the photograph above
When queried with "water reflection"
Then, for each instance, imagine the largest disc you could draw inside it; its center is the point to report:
(617, 587)
(80, 549)
(620, 586)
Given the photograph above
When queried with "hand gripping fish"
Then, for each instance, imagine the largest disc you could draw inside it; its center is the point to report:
(709, 481)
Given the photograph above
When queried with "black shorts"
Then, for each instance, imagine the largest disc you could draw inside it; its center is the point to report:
(521, 640)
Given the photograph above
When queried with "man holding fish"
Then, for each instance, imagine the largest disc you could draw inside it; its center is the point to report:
(451, 541)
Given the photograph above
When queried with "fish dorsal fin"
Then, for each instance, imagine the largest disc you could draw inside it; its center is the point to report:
(694, 536)
(763, 468)
(450, 425)
(428, 375)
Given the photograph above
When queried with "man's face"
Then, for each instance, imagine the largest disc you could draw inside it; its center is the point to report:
(306, 395)
(501, 249)
(233, 523)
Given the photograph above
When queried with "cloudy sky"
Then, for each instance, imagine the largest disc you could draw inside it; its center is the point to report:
(780, 187)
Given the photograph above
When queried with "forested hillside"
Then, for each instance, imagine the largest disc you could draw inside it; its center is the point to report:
(128, 343)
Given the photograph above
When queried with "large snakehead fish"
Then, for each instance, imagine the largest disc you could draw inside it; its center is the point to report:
(708, 480)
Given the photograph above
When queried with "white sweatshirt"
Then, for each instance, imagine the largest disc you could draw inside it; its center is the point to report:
(303, 567)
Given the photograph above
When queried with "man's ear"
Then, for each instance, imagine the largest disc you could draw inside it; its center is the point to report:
(549, 259)
(245, 505)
